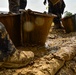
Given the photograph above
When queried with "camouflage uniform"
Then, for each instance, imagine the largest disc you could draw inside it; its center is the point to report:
(10, 57)
(23, 4)
(14, 6)
(6, 46)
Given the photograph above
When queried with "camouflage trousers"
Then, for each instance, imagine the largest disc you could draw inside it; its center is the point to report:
(14, 6)
(23, 4)
(7, 48)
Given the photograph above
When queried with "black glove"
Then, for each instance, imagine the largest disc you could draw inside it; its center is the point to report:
(44, 2)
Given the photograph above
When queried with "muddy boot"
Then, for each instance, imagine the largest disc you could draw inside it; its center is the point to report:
(10, 57)
(58, 26)
(18, 59)
(57, 22)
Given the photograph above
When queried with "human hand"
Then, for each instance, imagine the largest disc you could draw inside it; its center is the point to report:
(44, 2)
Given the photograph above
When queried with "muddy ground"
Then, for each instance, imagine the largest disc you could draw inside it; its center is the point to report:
(58, 57)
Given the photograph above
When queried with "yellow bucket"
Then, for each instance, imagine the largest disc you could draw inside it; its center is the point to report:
(35, 27)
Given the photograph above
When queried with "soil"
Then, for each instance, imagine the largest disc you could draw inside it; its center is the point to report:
(48, 59)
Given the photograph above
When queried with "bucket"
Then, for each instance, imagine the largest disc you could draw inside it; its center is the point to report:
(69, 23)
(35, 27)
(12, 24)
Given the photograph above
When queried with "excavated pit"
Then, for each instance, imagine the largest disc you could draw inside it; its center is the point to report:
(58, 57)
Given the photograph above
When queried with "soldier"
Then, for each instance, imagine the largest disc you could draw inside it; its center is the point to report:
(23, 4)
(15, 5)
(57, 9)
(10, 57)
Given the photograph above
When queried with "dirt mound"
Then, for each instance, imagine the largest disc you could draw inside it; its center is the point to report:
(58, 57)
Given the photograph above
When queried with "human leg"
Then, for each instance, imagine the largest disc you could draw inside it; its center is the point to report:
(14, 6)
(23, 4)
(10, 57)
(57, 22)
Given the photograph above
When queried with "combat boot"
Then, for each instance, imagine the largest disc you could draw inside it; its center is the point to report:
(58, 26)
(18, 59)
